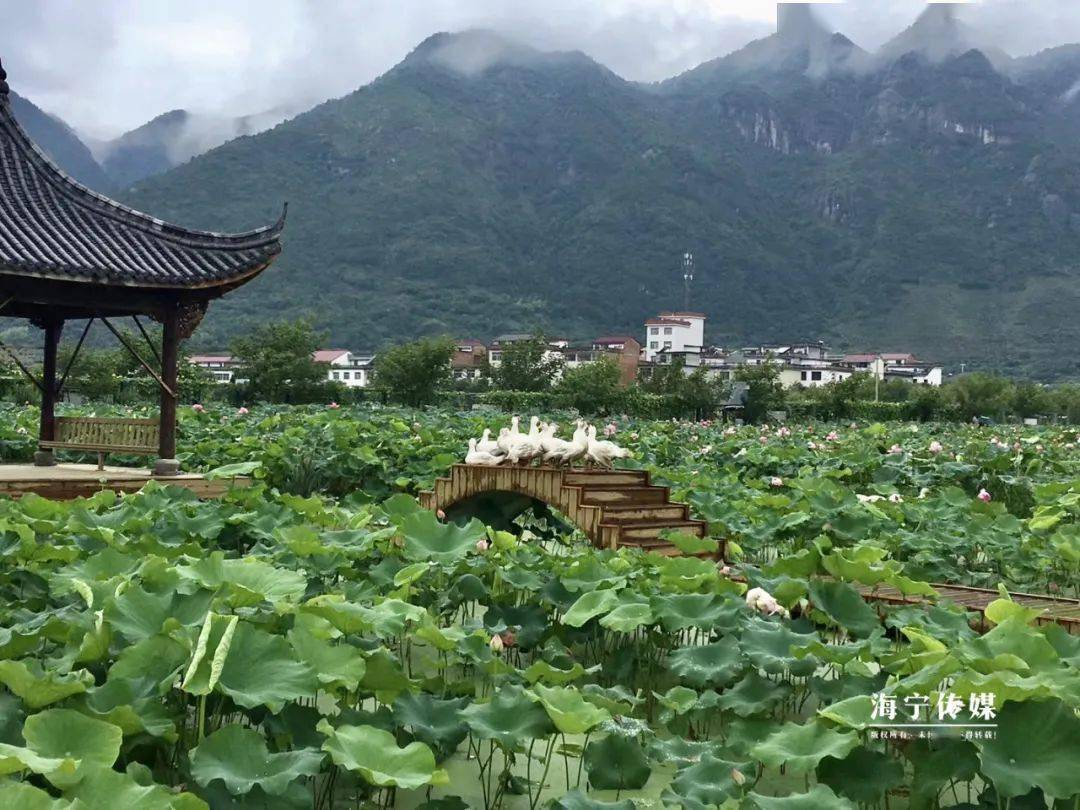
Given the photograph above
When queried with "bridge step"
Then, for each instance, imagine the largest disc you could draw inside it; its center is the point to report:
(600, 477)
(628, 514)
(625, 495)
(652, 529)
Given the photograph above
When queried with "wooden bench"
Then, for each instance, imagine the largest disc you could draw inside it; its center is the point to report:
(101, 435)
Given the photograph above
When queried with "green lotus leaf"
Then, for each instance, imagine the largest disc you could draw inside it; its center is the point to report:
(541, 670)
(1001, 610)
(702, 610)
(428, 539)
(715, 665)
(843, 605)
(1037, 746)
(678, 699)
(374, 754)
(864, 776)
(387, 619)
(711, 781)
(138, 614)
(439, 723)
(753, 694)
(590, 605)
(576, 800)
(159, 660)
(249, 579)
(1064, 643)
(617, 700)
(769, 646)
(688, 574)
(238, 756)
(261, 670)
(336, 665)
(692, 544)
(208, 657)
(854, 712)
(628, 617)
(39, 687)
(510, 718)
(66, 734)
(14, 759)
(385, 677)
(800, 747)
(134, 706)
(937, 763)
(568, 710)
(682, 752)
(25, 796)
(820, 797)
(105, 789)
(616, 762)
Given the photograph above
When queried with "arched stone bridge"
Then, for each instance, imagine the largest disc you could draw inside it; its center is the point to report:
(613, 507)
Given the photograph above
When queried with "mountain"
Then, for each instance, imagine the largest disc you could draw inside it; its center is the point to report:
(482, 186)
(59, 142)
(936, 35)
(174, 138)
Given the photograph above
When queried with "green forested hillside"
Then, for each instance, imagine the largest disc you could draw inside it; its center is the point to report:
(914, 205)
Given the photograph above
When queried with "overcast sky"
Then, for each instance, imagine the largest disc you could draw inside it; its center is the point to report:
(106, 66)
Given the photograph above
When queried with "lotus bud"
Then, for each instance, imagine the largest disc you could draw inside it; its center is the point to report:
(242, 411)
(984, 496)
(333, 406)
(738, 777)
(197, 408)
(763, 439)
(811, 446)
(482, 545)
(833, 436)
(610, 429)
(924, 492)
(776, 481)
(895, 450)
(936, 447)
(496, 644)
(440, 514)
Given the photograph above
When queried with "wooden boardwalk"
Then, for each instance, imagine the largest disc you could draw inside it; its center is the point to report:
(613, 507)
(1059, 610)
(64, 482)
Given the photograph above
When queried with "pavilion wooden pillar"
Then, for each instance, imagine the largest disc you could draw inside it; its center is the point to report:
(47, 430)
(170, 348)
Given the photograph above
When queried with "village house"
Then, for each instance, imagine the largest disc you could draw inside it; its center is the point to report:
(470, 359)
(351, 369)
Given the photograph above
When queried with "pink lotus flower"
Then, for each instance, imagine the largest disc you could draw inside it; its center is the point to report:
(783, 432)
(440, 514)
(610, 429)
(242, 411)
(197, 408)
(811, 446)
(936, 446)
(895, 450)
(1017, 446)
(482, 545)
(730, 431)
(763, 439)
(833, 436)
(984, 496)
(333, 406)
(776, 481)
(508, 638)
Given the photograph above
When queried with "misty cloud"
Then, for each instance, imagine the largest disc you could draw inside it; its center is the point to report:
(112, 65)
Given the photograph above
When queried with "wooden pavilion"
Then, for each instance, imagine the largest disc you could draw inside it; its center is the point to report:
(69, 253)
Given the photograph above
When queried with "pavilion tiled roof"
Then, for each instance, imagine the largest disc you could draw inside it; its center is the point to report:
(52, 227)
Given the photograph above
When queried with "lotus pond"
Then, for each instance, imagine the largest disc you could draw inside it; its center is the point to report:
(318, 640)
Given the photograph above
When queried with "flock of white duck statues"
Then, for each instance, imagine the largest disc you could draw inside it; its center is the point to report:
(541, 444)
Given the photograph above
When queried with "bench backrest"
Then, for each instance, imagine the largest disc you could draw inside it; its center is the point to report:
(132, 435)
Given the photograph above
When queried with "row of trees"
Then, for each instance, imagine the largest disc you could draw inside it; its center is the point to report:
(276, 365)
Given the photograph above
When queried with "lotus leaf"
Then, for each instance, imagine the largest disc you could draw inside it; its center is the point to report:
(628, 617)
(261, 670)
(104, 789)
(864, 776)
(238, 756)
(25, 796)
(710, 781)
(439, 723)
(844, 606)
(568, 710)
(589, 606)
(1037, 746)
(510, 718)
(336, 665)
(375, 755)
(715, 665)
(800, 747)
(576, 800)
(211, 650)
(39, 687)
(616, 762)
(753, 694)
(65, 734)
(769, 646)
(820, 797)
(428, 539)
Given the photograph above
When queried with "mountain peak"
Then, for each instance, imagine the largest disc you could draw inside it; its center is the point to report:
(935, 35)
(797, 21)
(473, 51)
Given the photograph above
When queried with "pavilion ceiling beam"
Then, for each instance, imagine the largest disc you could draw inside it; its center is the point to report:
(150, 370)
(146, 337)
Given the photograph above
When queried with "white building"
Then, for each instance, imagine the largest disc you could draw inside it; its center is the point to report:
(221, 366)
(674, 333)
(348, 368)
